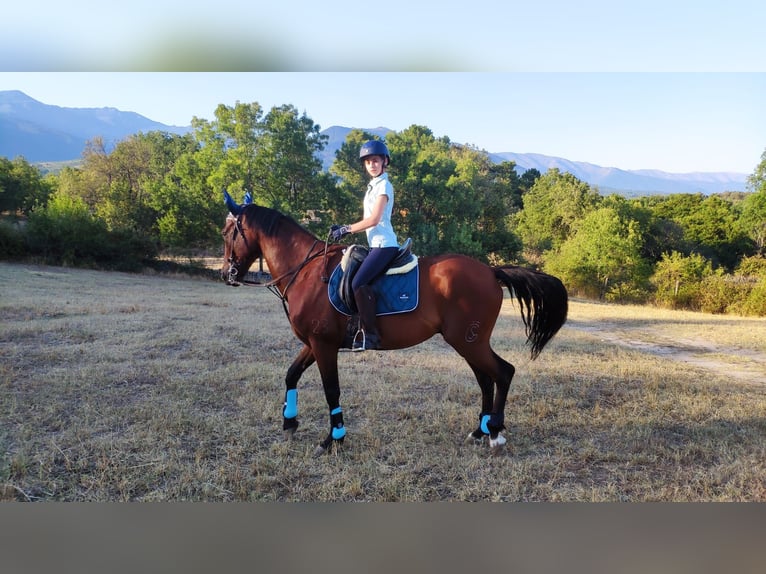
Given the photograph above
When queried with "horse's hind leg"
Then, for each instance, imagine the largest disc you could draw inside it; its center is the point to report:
(496, 422)
(494, 375)
(290, 410)
(487, 386)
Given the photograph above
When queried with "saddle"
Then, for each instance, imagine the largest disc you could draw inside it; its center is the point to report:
(353, 256)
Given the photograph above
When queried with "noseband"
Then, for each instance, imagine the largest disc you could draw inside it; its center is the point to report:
(233, 272)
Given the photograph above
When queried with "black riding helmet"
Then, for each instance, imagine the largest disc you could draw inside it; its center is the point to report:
(374, 147)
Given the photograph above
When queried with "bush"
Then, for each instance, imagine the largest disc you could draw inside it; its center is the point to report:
(722, 293)
(755, 304)
(66, 233)
(11, 241)
(679, 280)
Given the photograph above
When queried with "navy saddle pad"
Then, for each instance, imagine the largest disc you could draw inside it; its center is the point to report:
(394, 293)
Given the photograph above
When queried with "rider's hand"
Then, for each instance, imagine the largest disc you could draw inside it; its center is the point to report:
(337, 232)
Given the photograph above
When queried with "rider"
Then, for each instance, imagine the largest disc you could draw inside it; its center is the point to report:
(381, 238)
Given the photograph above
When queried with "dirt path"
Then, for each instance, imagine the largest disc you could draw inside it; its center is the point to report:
(745, 365)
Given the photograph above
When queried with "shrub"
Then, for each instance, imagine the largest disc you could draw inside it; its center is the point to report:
(11, 241)
(66, 233)
(678, 280)
(755, 304)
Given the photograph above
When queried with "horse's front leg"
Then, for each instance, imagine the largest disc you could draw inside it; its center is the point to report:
(290, 410)
(327, 361)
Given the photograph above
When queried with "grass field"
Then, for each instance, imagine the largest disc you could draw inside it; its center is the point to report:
(146, 387)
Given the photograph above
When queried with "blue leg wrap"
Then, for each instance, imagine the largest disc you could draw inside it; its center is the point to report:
(483, 425)
(336, 421)
(291, 404)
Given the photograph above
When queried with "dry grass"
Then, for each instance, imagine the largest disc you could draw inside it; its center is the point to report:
(139, 387)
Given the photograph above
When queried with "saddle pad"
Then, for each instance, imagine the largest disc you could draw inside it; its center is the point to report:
(393, 293)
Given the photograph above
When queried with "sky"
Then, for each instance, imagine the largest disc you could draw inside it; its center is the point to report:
(674, 122)
(673, 85)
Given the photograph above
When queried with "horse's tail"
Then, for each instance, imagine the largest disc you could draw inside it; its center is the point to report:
(543, 300)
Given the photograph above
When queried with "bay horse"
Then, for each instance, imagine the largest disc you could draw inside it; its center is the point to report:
(459, 297)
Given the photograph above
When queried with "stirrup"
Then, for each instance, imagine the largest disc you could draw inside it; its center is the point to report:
(358, 345)
(371, 343)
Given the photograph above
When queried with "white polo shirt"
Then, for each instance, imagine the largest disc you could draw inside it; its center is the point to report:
(382, 235)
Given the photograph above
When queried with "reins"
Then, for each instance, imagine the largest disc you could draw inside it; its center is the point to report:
(292, 273)
(272, 285)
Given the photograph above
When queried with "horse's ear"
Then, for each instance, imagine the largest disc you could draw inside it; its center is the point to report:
(233, 206)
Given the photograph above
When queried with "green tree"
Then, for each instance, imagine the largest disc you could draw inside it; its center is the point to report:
(228, 146)
(715, 231)
(552, 206)
(432, 210)
(189, 200)
(662, 235)
(191, 213)
(677, 279)
(754, 207)
(22, 186)
(602, 258)
(287, 161)
(273, 156)
(711, 226)
(488, 193)
(120, 185)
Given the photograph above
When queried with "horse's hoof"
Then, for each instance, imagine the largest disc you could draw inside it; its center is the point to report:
(289, 434)
(474, 440)
(497, 445)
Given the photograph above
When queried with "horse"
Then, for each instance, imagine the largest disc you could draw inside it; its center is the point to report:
(459, 298)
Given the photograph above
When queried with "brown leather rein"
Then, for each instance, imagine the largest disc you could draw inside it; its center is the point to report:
(293, 274)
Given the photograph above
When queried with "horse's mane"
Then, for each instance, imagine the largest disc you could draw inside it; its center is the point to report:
(269, 220)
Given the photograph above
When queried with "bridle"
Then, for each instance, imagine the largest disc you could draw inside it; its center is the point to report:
(233, 272)
(273, 285)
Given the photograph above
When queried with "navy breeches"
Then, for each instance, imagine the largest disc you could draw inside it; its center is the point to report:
(373, 265)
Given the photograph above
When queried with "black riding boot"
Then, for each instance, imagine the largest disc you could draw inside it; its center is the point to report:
(365, 302)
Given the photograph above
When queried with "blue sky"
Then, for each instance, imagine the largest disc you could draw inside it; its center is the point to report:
(295, 35)
(675, 85)
(675, 122)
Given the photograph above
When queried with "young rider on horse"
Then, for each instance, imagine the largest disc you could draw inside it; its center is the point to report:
(381, 238)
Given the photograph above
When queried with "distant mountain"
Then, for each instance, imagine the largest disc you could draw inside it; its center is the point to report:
(630, 182)
(607, 179)
(45, 133)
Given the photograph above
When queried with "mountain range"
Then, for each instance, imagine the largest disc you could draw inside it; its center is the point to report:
(43, 133)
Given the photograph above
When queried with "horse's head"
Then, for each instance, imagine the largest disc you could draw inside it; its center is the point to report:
(240, 247)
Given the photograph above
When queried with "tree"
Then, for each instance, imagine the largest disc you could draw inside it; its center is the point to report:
(551, 207)
(716, 233)
(677, 279)
(602, 258)
(710, 226)
(191, 213)
(228, 146)
(287, 162)
(754, 207)
(435, 198)
(22, 186)
(490, 194)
